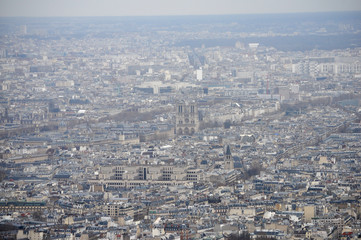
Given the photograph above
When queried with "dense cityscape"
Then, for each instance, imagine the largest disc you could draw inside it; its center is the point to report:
(209, 127)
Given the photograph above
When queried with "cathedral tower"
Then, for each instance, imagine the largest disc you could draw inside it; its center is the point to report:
(187, 121)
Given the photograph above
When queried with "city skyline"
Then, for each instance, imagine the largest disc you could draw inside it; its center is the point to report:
(222, 127)
(67, 8)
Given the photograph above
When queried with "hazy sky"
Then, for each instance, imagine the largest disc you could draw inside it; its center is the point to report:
(45, 8)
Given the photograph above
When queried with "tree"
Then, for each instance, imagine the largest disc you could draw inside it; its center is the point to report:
(252, 171)
(2, 174)
(38, 216)
(227, 124)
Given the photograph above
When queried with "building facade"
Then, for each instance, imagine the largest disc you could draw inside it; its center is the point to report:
(19, 206)
(143, 175)
(187, 118)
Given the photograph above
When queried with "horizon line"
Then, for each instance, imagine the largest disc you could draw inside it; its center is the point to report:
(186, 15)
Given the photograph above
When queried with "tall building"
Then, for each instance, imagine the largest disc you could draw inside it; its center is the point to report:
(199, 74)
(187, 118)
(228, 159)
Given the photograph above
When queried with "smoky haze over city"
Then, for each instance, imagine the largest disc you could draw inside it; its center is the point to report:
(180, 120)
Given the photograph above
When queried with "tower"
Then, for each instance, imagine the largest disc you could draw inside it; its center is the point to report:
(199, 73)
(186, 118)
(228, 159)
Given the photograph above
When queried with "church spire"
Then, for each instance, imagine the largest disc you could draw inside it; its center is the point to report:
(228, 159)
(228, 151)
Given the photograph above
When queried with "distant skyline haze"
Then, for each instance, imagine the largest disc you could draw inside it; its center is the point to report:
(71, 8)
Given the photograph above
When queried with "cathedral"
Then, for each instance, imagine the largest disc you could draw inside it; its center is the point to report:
(187, 118)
